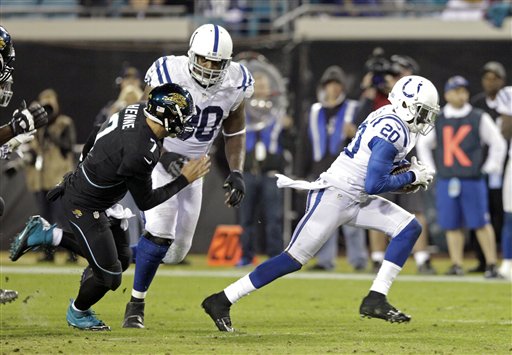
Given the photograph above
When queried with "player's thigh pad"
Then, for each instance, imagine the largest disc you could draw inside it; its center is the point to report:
(327, 210)
(382, 215)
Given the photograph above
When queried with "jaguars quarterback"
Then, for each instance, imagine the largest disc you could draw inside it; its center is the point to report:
(21, 127)
(126, 149)
(218, 87)
(347, 194)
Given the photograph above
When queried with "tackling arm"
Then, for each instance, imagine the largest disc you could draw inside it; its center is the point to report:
(234, 138)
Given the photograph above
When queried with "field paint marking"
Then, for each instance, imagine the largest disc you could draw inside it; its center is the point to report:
(239, 273)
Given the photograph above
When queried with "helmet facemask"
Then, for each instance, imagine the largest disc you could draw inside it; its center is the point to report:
(424, 118)
(207, 77)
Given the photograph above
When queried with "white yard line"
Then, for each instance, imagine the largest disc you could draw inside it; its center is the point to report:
(5, 270)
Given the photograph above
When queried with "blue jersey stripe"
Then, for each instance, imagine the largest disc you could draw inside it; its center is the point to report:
(397, 120)
(216, 38)
(306, 218)
(159, 73)
(166, 71)
(242, 68)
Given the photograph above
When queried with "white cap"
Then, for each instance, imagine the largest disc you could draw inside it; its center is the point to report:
(504, 99)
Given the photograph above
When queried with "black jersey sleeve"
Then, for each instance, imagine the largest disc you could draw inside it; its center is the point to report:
(144, 195)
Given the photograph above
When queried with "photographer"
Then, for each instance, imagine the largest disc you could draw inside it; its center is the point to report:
(49, 157)
(376, 84)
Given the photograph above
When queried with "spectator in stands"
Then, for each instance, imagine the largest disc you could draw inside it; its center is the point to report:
(329, 126)
(462, 202)
(50, 157)
(465, 10)
(493, 79)
(383, 74)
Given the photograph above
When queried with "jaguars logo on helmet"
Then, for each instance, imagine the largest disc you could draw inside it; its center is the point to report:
(171, 106)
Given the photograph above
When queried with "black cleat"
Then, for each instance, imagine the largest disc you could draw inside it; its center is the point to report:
(7, 296)
(455, 270)
(134, 315)
(376, 305)
(217, 307)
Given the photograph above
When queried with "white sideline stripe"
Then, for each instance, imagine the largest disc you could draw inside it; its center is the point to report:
(240, 273)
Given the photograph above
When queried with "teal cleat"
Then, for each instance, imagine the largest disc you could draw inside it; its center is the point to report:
(37, 232)
(84, 320)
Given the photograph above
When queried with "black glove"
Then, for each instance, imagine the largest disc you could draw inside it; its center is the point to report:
(27, 119)
(235, 187)
(173, 162)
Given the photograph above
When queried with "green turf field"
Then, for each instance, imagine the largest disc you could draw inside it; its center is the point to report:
(309, 313)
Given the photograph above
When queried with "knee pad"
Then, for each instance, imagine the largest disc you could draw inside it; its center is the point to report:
(111, 276)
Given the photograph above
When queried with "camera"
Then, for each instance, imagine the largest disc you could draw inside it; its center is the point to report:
(49, 109)
(379, 66)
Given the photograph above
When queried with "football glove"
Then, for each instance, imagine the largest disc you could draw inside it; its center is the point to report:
(27, 119)
(423, 174)
(235, 189)
(173, 163)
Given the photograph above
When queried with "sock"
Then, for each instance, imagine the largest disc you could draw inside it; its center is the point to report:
(421, 257)
(149, 256)
(57, 236)
(91, 291)
(385, 277)
(273, 268)
(377, 256)
(238, 289)
(76, 309)
(401, 245)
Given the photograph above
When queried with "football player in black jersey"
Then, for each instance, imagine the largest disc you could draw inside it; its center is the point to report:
(22, 125)
(125, 151)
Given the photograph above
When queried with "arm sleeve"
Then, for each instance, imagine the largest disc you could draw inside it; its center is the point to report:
(144, 195)
(424, 149)
(491, 135)
(378, 177)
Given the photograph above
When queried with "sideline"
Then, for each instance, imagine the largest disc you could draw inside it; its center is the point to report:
(302, 275)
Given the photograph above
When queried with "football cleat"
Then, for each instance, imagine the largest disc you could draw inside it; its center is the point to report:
(217, 307)
(134, 315)
(37, 232)
(426, 268)
(7, 296)
(84, 320)
(375, 305)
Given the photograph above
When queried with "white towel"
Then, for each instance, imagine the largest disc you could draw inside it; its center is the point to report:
(285, 181)
(118, 212)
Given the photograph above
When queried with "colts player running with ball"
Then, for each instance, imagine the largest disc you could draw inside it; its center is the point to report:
(346, 194)
(218, 87)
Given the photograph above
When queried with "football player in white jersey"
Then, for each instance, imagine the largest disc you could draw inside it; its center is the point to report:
(218, 87)
(347, 194)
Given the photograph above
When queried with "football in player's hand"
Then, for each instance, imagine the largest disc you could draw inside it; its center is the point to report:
(409, 188)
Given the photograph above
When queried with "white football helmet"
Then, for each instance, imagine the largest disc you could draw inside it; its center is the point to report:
(214, 43)
(6, 92)
(416, 101)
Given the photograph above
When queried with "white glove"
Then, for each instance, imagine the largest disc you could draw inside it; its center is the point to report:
(20, 139)
(423, 174)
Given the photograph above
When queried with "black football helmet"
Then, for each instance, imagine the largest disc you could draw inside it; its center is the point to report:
(171, 106)
(6, 55)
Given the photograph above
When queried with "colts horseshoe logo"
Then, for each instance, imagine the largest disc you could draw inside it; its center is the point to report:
(410, 95)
